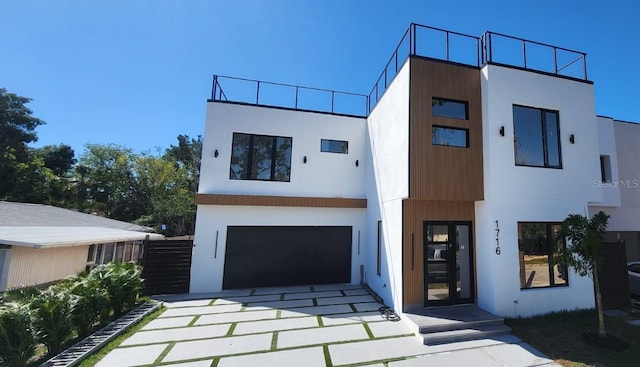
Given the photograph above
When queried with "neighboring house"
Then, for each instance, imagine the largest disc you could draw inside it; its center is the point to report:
(42, 243)
(444, 185)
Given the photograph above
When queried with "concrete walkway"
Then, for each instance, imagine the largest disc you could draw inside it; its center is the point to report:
(319, 326)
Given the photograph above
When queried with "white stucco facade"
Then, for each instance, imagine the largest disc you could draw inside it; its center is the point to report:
(377, 168)
(388, 185)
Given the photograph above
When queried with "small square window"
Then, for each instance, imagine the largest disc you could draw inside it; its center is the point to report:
(442, 107)
(334, 146)
(605, 169)
(449, 136)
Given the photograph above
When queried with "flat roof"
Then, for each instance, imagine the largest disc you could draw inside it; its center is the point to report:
(59, 236)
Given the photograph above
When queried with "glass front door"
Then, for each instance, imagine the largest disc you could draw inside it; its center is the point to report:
(448, 263)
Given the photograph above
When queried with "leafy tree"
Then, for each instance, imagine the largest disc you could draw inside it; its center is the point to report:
(111, 186)
(585, 252)
(58, 158)
(167, 187)
(17, 129)
(187, 155)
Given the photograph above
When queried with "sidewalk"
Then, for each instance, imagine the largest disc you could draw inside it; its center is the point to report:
(319, 326)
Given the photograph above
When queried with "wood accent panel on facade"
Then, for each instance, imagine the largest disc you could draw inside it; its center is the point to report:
(442, 172)
(415, 213)
(264, 200)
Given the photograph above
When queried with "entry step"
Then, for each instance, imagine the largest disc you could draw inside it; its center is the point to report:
(459, 335)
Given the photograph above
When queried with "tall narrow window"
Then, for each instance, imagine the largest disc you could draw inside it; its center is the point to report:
(538, 245)
(379, 250)
(605, 169)
(450, 108)
(536, 137)
(260, 157)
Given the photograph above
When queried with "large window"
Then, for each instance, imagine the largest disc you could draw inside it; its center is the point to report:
(260, 157)
(536, 137)
(449, 136)
(538, 246)
(442, 107)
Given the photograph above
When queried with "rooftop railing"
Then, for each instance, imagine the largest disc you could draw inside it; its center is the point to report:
(417, 40)
(288, 96)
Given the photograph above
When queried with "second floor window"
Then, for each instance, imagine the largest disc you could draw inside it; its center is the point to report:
(536, 137)
(260, 157)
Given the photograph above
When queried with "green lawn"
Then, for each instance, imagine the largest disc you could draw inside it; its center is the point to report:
(560, 336)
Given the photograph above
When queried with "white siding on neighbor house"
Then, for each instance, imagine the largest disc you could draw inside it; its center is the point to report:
(387, 186)
(518, 194)
(207, 266)
(626, 217)
(29, 266)
(324, 174)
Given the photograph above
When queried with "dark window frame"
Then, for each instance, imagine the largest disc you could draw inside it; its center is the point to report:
(550, 264)
(545, 143)
(466, 131)
(332, 151)
(379, 250)
(465, 103)
(249, 163)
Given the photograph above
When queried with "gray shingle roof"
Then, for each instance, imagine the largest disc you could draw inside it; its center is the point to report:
(24, 214)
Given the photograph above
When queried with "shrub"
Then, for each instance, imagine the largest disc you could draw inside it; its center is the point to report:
(121, 282)
(91, 303)
(17, 342)
(51, 317)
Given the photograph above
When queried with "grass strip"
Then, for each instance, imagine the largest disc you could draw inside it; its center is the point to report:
(96, 357)
(164, 353)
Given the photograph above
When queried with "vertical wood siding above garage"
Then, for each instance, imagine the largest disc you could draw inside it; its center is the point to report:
(30, 266)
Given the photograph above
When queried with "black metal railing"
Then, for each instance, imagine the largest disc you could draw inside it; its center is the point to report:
(417, 40)
(288, 96)
(431, 42)
(507, 50)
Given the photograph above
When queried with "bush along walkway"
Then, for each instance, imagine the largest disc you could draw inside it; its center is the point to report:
(86, 347)
(318, 326)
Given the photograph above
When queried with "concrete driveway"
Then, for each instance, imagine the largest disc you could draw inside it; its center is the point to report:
(318, 326)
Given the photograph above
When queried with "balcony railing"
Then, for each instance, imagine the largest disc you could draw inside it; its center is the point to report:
(288, 96)
(417, 40)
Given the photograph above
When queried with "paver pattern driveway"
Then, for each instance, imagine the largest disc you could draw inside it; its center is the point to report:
(323, 326)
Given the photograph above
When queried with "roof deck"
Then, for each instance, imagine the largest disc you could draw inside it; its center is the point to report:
(417, 41)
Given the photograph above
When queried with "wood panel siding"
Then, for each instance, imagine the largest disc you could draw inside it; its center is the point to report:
(295, 201)
(415, 213)
(444, 172)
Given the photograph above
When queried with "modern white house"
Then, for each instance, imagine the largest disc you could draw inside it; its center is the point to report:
(444, 185)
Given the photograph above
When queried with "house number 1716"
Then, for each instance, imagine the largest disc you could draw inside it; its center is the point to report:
(497, 239)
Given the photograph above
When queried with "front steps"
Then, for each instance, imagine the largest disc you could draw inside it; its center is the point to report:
(440, 325)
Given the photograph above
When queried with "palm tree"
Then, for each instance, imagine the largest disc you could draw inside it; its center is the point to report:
(585, 253)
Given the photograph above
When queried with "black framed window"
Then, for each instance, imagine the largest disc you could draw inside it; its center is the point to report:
(450, 108)
(334, 146)
(260, 157)
(605, 169)
(537, 246)
(450, 136)
(379, 250)
(536, 138)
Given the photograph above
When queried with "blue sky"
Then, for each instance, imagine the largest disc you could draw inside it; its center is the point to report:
(138, 73)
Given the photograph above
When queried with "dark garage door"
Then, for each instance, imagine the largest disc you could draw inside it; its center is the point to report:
(280, 256)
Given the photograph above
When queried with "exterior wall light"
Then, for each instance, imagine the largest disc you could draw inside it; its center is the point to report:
(572, 139)
(501, 131)
(357, 163)
(215, 153)
(304, 160)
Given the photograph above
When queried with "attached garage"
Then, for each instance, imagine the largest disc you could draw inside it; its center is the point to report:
(286, 255)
